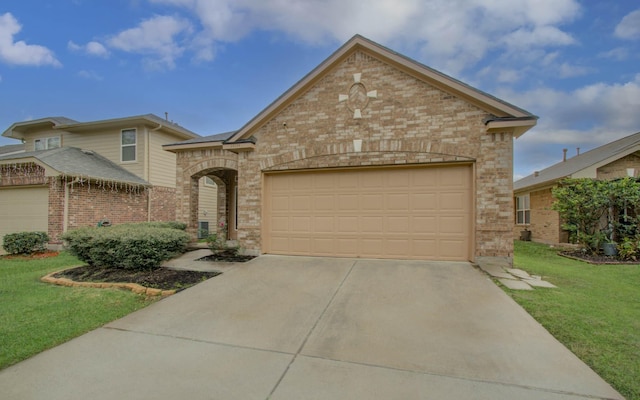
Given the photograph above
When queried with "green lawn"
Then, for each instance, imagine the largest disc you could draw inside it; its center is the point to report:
(35, 316)
(595, 311)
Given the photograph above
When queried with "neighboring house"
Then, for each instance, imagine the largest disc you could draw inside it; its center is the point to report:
(533, 198)
(371, 154)
(70, 174)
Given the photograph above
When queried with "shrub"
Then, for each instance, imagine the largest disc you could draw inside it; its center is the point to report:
(158, 224)
(129, 246)
(25, 242)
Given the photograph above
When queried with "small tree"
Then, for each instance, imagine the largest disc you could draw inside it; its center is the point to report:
(582, 203)
(597, 211)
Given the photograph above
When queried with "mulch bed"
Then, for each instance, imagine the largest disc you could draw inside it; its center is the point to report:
(226, 256)
(34, 256)
(158, 278)
(595, 258)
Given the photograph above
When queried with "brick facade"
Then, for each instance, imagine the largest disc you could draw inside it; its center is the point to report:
(545, 223)
(408, 122)
(86, 205)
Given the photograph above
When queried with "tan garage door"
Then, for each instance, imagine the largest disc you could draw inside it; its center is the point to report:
(23, 210)
(407, 213)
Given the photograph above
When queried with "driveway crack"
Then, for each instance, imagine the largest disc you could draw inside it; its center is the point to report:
(313, 328)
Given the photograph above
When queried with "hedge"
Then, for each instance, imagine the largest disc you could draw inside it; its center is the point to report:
(128, 246)
(25, 242)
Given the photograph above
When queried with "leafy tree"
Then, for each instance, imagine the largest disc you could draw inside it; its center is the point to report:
(597, 211)
(582, 203)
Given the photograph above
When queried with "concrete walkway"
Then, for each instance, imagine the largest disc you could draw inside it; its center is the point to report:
(286, 328)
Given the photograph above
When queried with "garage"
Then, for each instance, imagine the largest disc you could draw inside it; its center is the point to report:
(24, 209)
(390, 212)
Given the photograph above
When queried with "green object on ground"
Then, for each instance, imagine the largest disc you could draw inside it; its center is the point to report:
(595, 311)
(35, 316)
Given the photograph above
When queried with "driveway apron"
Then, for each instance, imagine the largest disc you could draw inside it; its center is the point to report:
(318, 328)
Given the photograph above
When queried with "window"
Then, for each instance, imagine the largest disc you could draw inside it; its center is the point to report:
(523, 211)
(209, 182)
(128, 144)
(47, 143)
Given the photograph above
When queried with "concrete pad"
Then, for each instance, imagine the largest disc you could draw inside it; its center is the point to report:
(318, 379)
(270, 304)
(519, 273)
(539, 283)
(495, 271)
(515, 284)
(444, 319)
(107, 364)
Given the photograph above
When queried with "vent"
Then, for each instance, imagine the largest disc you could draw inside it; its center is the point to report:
(87, 152)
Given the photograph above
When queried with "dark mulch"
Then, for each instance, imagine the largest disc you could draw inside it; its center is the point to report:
(226, 256)
(595, 258)
(158, 278)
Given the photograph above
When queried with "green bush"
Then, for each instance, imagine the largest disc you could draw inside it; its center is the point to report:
(25, 242)
(129, 246)
(158, 224)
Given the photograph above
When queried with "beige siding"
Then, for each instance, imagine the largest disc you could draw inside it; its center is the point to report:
(29, 143)
(207, 204)
(162, 164)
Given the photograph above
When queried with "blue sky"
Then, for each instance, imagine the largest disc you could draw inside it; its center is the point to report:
(214, 64)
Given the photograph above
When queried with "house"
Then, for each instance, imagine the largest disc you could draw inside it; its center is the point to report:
(532, 194)
(69, 174)
(371, 154)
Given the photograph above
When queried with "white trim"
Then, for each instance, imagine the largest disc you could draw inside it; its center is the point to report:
(134, 145)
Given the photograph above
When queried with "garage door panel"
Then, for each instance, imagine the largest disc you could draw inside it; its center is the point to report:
(348, 224)
(348, 202)
(397, 202)
(323, 202)
(24, 210)
(422, 213)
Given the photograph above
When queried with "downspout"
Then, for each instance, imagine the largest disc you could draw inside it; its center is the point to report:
(148, 168)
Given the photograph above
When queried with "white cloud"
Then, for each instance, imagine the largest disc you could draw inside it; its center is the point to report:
(619, 54)
(20, 53)
(92, 48)
(158, 38)
(600, 108)
(452, 36)
(629, 27)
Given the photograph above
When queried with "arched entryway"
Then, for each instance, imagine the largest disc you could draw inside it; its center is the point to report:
(224, 221)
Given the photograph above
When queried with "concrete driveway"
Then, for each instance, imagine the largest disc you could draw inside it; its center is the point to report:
(291, 328)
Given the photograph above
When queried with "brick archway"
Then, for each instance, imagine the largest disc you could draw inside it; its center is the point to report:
(219, 165)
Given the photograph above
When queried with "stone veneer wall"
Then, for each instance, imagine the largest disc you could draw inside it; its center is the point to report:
(409, 122)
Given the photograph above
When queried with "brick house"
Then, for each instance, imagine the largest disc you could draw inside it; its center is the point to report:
(532, 194)
(371, 154)
(69, 174)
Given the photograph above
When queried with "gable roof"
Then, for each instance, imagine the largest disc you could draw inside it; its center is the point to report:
(506, 114)
(74, 162)
(18, 129)
(574, 165)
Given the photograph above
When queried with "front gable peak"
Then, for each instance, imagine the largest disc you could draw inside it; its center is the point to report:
(358, 95)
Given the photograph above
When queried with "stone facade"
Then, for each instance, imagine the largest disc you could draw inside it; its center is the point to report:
(408, 122)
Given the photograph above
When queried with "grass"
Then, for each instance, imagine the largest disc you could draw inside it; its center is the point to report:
(594, 312)
(35, 316)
